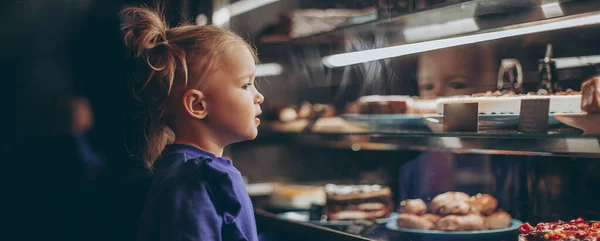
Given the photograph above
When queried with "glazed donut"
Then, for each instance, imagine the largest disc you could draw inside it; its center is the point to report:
(451, 203)
(484, 204)
(407, 220)
(497, 220)
(460, 223)
(413, 206)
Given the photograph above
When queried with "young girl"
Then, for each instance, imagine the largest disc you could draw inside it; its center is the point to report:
(196, 82)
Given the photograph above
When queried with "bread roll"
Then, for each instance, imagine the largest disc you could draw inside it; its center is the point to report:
(497, 220)
(413, 206)
(484, 204)
(451, 203)
(407, 220)
(460, 223)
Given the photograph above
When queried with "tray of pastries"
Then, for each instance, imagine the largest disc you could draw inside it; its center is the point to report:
(454, 215)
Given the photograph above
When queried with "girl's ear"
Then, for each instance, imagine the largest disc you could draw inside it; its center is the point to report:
(194, 103)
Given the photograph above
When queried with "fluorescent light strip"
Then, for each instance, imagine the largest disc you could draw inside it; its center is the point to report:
(224, 15)
(572, 62)
(357, 57)
(271, 69)
(415, 34)
(243, 6)
(221, 17)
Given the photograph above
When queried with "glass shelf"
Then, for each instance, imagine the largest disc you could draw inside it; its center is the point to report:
(446, 20)
(571, 143)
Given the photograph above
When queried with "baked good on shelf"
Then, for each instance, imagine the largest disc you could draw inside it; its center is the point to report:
(454, 211)
(347, 202)
(497, 103)
(590, 92)
(413, 206)
(304, 22)
(460, 223)
(451, 203)
(380, 104)
(575, 230)
(407, 220)
(296, 196)
(432, 217)
(497, 220)
(483, 203)
(395, 104)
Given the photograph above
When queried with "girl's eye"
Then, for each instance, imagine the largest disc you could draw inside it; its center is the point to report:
(458, 85)
(246, 86)
(427, 87)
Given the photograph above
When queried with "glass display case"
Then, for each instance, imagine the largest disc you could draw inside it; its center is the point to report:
(436, 104)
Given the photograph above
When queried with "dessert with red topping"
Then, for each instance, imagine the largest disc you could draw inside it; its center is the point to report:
(574, 230)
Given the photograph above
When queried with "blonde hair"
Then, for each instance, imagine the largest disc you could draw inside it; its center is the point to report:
(167, 58)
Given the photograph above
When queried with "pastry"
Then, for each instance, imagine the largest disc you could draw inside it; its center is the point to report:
(497, 220)
(590, 92)
(460, 223)
(407, 220)
(483, 203)
(413, 206)
(451, 203)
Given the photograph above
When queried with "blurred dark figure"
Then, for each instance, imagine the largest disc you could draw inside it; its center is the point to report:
(69, 176)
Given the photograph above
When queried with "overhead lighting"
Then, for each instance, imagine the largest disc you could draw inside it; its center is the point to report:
(243, 6)
(572, 62)
(224, 14)
(433, 31)
(270, 69)
(221, 17)
(357, 57)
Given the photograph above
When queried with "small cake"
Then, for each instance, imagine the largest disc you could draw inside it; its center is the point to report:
(350, 202)
(297, 196)
(590, 92)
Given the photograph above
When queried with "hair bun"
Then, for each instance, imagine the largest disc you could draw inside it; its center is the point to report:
(143, 29)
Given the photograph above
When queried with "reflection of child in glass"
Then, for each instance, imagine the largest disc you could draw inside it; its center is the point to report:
(198, 82)
(462, 70)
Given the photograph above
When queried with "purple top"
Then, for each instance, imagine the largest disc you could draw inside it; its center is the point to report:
(196, 196)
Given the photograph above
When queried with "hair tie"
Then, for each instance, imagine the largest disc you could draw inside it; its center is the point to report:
(166, 42)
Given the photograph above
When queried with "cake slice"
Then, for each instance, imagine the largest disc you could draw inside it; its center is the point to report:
(351, 202)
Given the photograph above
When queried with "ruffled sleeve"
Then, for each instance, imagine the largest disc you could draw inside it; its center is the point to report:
(225, 188)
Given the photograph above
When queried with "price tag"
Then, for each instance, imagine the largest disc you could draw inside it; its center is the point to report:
(533, 117)
(461, 117)
(362, 227)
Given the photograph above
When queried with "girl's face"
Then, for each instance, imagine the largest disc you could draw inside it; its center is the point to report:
(232, 100)
(456, 71)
